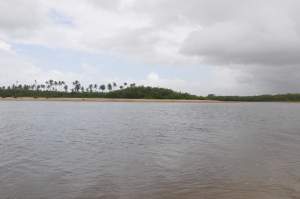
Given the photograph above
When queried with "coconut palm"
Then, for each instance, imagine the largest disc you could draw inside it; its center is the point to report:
(109, 86)
(102, 87)
(91, 87)
(77, 85)
(66, 88)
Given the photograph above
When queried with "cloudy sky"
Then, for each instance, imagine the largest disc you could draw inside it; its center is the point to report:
(200, 46)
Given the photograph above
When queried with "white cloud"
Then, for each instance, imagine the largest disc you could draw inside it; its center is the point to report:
(5, 46)
(153, 79)
(18, 14)
(257, 41)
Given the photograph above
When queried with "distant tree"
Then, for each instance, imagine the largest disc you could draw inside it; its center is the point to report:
(51, 82)
(35, 84)
(66, 88)
(132, 85)
(91, 87)
(77, 85)
(109, 86)
(102, 87)
(140, 92)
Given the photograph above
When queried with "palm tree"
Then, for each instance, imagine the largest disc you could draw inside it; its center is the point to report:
(35, 84)
(66, 88)
(109, 86)
(132, 85)
(59, 84)
(102, 87)
(51, 82)
(47, 84)
(91, 87)
(77, 86)
(55, 85)
(26, 87)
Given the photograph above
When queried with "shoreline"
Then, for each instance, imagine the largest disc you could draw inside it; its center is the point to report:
(108, 100)
(65, 99)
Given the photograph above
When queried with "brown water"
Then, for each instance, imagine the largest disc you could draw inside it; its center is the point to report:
(149, 150)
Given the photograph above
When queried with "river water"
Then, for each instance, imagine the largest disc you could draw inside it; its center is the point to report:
(62, 150)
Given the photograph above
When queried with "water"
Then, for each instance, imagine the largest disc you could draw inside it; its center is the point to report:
(149, 150)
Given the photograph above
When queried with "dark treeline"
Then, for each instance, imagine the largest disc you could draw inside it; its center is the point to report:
(62, 86)
(55, 89)
(258, 98)
(141, 92)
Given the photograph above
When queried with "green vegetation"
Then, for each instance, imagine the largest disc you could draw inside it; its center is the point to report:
(258, 98)
(59, 89)
(142, 92)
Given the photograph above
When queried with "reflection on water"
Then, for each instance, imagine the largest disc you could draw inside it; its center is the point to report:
(149, 150)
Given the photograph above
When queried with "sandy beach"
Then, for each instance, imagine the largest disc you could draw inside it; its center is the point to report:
(107, 100)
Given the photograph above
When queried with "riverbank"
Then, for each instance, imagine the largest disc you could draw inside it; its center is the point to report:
(107, 100)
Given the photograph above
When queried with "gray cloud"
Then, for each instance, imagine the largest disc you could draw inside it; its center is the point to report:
(18, 15)
(270, 79)
(111, 4)
(253, 38)
(259, 39)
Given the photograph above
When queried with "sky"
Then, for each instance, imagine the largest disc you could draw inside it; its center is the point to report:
(228, 47)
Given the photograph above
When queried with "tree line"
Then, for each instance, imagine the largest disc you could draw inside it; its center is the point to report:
(52, 88)
(59, 86)
(290, 97)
